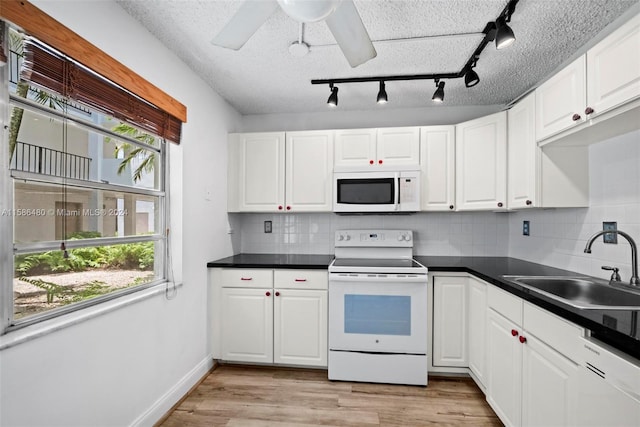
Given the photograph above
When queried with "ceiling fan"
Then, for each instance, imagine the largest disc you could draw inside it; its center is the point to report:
(341, 17)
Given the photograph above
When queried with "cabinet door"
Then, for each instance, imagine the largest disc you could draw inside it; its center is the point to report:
(523, 154)
(398, 147)
(559, 98)
(309, 171)
(355, 149)
(450, 321)
(300, 327)
(548, 385)
(481, 163)
(437, 166)
(261, 172)
(613, 67)
(247, 325)
(504, 357)
(477, 325)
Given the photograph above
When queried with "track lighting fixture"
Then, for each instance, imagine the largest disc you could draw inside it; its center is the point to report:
(471, 77)
(497, 31)
(438, 95)
(333, 98)
(504, 34)
(382, 94)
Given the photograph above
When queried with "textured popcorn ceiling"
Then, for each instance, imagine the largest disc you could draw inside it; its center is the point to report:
(263, 77)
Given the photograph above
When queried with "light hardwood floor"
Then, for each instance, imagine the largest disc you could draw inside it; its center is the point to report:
(264, 396)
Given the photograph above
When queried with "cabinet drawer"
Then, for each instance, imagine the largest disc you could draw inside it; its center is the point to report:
(301, 279)
(510, 306)
(559, 334)
(246, 278)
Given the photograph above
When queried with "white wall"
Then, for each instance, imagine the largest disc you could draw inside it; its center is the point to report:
(128, 366)
(446, 233)
(381, 117)
(558, 236)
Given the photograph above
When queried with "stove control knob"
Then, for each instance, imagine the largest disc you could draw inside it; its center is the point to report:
(407, 237)
(347, 238)
(340, 237)
(400, 237)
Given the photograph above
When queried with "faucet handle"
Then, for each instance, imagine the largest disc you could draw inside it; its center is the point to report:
(615, 277)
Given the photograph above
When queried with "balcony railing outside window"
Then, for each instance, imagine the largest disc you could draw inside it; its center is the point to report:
(45, 161)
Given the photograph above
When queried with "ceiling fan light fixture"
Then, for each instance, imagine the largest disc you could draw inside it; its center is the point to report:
(382, 94)
(438, 95)
(309, 10)
(504, 34)
(333, 98)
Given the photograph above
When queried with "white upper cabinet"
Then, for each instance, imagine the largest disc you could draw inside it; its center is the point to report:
(271, 172)
(398, 147)
(549, 177)
(561, 100)
(309, 171)
(607, 77)
(256, 172)
(481, 163)
(373, 149)
(437, 166)
(523, 154)
(355, 148)
(613, 68)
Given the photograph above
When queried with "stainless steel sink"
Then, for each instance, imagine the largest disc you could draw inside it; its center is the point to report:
(581, 292)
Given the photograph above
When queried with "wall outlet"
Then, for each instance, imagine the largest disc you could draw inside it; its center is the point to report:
(610, 237)
(267, 227)
(525, 228)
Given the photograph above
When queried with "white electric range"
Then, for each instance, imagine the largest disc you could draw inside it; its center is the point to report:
(377, 309)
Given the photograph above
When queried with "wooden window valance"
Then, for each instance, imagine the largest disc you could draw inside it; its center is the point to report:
(54, 71)
(77, 50)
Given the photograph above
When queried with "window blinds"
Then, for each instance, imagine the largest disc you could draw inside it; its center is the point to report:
(52, 70)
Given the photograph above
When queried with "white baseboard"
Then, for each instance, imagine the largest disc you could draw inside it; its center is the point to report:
(174, 394)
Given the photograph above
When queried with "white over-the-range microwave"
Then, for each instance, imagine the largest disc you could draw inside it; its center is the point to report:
(376, 192)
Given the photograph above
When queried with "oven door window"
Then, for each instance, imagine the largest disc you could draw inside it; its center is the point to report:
(377, 314)
(374, 191)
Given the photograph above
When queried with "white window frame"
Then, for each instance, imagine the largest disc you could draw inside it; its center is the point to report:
(8, 249)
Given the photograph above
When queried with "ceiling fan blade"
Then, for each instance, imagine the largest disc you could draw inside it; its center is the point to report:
(244, 23)
(346, 26)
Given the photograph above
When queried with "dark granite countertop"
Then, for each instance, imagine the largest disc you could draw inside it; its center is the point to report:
(613, 327)
(292, 261)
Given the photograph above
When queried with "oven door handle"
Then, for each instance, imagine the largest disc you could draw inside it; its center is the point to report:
(396, 181)
(418, 278)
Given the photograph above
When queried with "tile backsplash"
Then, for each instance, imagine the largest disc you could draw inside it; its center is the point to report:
(456, 234)
(557, 236)
(480, 234)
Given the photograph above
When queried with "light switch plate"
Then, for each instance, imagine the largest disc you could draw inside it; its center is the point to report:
(267, 227)
(610, 237)
(525, 228)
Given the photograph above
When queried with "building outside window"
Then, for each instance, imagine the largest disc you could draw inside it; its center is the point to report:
(88, 192)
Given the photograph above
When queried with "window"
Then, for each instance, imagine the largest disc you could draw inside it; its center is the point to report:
(84, 165)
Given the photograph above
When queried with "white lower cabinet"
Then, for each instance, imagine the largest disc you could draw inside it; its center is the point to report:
(530, 383)
(247, 331)
(477, 321)
(450, 321)
(270, 316)
(300, 327)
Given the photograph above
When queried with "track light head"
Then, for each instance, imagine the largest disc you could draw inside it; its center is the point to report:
(504, 34)
(382, 94)
(471, 78)
(333, 98)
(438, 95)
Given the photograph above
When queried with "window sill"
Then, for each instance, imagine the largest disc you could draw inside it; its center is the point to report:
(31, 332)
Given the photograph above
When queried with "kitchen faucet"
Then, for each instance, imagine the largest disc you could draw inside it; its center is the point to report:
(635, 281)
